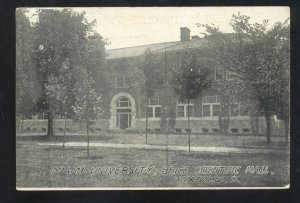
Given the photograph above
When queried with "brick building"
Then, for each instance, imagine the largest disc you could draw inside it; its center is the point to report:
(127, 105)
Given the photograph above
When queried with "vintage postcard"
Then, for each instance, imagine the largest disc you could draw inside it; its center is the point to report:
(137, 98)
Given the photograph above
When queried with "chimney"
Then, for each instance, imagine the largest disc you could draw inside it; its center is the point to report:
(184, 34)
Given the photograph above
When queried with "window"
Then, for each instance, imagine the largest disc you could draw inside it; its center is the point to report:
(150, 112)
(180, 111)
(211, 106)
(157, 111)
(190, 111)
(185, 110)
(154, 108)
(124, 102)
(216, 109)
(119, 80)
(206, 110)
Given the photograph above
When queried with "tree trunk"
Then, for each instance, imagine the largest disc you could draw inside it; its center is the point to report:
(268, 122)
(88, 139)
(146, 123)
(189, 129)
(50, 124)
(22, 122)
(256, 125)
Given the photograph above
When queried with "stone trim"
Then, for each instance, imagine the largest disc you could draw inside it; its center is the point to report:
(113, 110)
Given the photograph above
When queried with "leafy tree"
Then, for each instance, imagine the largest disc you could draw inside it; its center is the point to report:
(135, 80)
(94, 60)
(259, 61)
(58, 88)
(264, 64)
(61, 36)
(154, 79)
(87, 106)
(27, 88)
(190, 81)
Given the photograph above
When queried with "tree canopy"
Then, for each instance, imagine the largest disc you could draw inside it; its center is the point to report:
(64, 44)
(258, 59)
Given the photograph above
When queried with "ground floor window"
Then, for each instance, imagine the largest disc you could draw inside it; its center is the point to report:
(184, 109)
(211, 106)
(154, 108)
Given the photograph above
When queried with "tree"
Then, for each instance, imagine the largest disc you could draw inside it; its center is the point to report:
(95, 62)
(154, 79)
(135, 80)
(27, 88)
(259, 61)
(58, 88)
(87, 106)
(264, 64)
(190, 81)
(60, 36)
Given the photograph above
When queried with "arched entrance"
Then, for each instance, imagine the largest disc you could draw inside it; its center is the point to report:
(122, 108)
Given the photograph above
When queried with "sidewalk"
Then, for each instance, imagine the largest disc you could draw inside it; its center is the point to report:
(161, 147)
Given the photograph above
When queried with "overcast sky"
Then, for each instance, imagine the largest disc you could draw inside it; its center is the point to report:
(124, 27)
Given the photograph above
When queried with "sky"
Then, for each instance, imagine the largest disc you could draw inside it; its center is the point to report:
(133, 26)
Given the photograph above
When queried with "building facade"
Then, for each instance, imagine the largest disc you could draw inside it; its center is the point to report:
(126, 108)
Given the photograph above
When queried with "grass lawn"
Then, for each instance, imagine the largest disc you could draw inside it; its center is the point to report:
(52, 166)
(246, 141)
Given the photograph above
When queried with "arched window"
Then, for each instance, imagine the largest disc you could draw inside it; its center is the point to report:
(211, 106)
(154, 108)
(124, 102)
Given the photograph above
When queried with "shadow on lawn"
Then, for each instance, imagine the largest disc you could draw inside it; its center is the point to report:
(61, 149)
(229, 156)
(68, 138)
(281, 145)
(90, 157)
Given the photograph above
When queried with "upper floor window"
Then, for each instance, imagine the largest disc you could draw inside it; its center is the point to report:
(154, 108)
(119, 80)
(184, 109)
(211, 106)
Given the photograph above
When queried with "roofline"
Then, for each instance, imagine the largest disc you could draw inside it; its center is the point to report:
(137, 56)
(141, 45)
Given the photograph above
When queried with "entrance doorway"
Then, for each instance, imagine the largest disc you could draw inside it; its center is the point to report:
(124, 112)
(124, 120)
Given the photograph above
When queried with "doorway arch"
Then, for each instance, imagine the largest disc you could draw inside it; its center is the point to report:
(123, 111)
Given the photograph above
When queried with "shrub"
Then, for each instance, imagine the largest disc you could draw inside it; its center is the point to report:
(178, 130)
(204, 130)
(246, 130)
(234, 130)
(216, 130)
